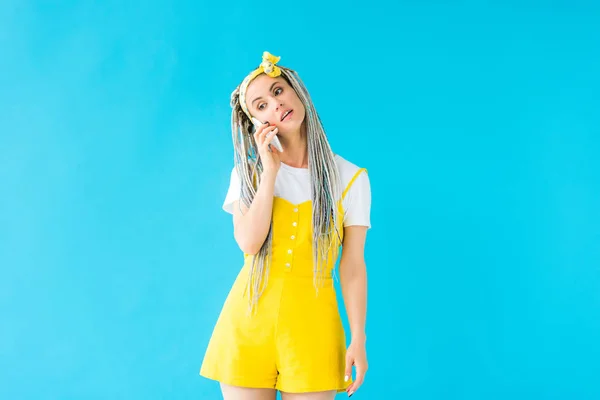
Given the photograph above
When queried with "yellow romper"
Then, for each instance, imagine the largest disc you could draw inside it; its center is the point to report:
(295, 340)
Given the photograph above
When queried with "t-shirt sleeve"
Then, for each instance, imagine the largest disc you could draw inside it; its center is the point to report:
(233, 193)
(358, 202)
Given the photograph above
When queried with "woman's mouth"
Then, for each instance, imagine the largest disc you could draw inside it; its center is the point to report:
(287, 115)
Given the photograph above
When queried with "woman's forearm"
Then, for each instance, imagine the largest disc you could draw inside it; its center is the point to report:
(353, 280)
(251, 228)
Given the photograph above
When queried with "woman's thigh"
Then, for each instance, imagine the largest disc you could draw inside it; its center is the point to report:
(242, 393)
(329, 395)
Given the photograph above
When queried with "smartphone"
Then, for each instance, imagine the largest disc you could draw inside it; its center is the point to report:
(275, 141)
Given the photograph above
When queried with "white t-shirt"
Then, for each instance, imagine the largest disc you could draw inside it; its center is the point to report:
(293, 184)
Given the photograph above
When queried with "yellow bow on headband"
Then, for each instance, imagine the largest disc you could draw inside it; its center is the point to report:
(267, 66)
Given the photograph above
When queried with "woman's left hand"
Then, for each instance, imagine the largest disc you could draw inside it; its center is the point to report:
(356, 355)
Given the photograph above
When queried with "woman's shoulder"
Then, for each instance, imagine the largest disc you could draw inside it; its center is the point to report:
(347, 169)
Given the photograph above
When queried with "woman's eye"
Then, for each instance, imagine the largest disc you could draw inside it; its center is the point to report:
(278, 91)
(261, 106)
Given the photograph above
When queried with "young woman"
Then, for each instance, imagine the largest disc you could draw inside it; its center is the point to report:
(280, 328)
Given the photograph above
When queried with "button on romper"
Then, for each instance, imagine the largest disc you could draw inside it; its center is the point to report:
(295, 340)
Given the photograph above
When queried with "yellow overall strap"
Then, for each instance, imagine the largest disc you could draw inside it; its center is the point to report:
(352, 181)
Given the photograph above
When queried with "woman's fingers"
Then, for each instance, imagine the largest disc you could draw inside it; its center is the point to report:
(348, 372)
(266, 135)
(262, 138)
(360, 378)
(259, 130)
(269, 136)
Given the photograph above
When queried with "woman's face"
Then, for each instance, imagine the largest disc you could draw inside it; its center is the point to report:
(274, 100)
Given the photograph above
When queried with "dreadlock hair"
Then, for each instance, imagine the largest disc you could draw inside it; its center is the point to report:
(325, 187)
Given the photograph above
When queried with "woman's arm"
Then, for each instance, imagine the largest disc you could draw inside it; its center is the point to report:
(251, 226)
(353, 278)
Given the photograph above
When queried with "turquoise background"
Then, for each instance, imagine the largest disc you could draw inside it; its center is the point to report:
(478, 122)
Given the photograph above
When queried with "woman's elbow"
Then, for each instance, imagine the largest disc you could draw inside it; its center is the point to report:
(247, 246)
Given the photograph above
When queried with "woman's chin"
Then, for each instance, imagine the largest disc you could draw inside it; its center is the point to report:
(290, 127)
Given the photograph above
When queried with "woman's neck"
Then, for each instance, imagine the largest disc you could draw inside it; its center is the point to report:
(295, 150)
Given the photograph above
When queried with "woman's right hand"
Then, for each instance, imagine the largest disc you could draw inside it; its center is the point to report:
(269, 157)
